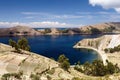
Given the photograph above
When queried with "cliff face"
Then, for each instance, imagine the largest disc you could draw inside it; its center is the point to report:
(17, 31)
(100, 44)
(106, 41)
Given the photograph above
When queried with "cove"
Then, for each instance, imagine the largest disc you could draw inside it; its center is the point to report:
(53, 46)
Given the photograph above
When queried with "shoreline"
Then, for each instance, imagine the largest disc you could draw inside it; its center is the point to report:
(101, 53)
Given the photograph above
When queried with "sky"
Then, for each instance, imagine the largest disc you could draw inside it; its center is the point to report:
(58, 13)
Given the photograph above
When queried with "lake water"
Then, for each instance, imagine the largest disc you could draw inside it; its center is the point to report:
(53, 46)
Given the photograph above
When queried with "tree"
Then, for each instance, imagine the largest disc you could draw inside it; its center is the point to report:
(15, 45)
(12, 43)
(64, 62)
(23, 44)
(106, 50)
(87, 68)
(98, 68)
(110, 67)
(78, 67)
(62, 58)
(34, 77)
(65, 65)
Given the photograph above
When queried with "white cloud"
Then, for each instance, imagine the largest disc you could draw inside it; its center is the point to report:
(43, 24)
(107, 4)
(51, 16)
(29, 17)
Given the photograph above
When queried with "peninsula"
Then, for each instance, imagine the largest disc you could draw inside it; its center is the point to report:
(100, 45)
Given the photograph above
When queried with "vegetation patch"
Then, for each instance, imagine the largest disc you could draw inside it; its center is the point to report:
(8, 76)
(112, 50)
(20, 44)
(64, 62)
(97, 68)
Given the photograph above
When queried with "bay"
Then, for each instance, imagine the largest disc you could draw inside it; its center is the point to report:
(53, 46)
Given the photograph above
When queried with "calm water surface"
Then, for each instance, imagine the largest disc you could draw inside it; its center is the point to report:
(53, 46)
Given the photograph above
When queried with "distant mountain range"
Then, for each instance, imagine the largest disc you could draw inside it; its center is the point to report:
(103, 28)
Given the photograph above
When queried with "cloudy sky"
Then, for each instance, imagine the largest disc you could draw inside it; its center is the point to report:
(58, 13)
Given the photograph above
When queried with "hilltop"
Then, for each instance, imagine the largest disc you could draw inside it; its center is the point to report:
(18, 31)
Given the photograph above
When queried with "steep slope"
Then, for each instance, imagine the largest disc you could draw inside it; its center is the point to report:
(12, 62)
(29, 63)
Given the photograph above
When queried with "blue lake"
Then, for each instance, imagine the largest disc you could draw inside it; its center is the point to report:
(53, 46)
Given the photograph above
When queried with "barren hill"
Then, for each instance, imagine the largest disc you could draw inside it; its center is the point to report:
(18, 30)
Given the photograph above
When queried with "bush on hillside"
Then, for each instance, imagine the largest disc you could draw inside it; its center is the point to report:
(64, 62)
(20, 44)
(97, 68)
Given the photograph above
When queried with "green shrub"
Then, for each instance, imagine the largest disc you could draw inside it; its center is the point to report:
(52, 71)
(15, 75)
(97, 68)
(112, 50)
(64, 62)
(34, 77)
(20, 44)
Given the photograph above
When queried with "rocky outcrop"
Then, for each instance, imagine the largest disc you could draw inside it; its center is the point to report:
(100, 44)
(18, 31)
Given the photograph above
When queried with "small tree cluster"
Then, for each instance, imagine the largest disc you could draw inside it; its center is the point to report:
(64, 62)
(35, 77)
(20, 44)
(112, 50)
(97, 68)
(15, 75)
(23, 44)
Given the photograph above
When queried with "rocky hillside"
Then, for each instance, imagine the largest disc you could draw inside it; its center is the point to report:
(112, 27)
(29, 63)
(37, 67)
(102, 43)
(18, 31)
